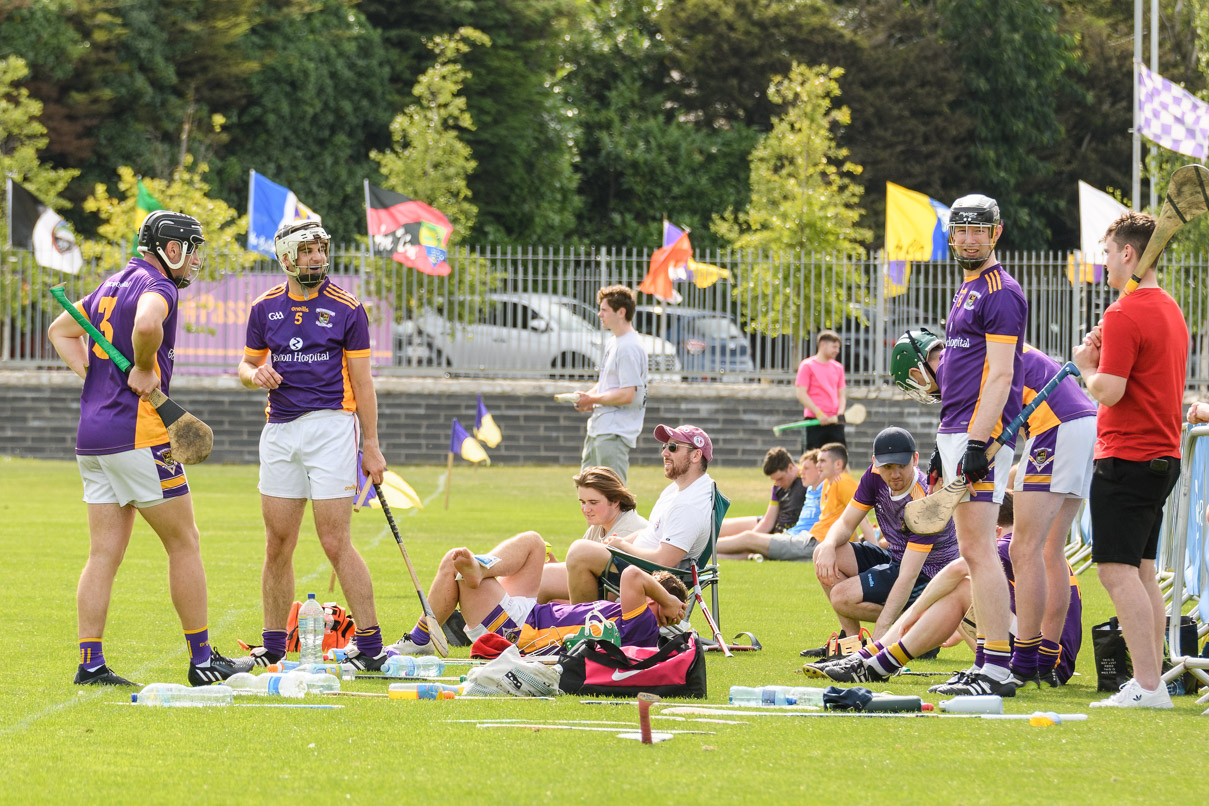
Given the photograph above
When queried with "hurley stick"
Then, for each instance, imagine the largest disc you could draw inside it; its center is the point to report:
(1187, 198)
(435, 633)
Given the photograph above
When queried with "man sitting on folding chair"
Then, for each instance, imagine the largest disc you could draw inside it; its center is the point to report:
(497, 593)
(678, 529)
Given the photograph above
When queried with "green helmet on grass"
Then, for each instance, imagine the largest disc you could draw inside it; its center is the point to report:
(911, 352)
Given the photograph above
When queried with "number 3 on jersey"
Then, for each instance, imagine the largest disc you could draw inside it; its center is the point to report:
(105, 308)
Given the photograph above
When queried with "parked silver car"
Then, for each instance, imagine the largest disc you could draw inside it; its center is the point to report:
(522, 334)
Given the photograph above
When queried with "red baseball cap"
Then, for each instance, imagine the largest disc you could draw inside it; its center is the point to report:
(688, 435)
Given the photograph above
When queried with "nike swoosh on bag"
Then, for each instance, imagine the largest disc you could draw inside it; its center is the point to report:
(620, 675)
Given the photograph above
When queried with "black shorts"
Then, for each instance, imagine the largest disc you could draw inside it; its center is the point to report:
(1127, 501)
(816, 436)
(878, 572)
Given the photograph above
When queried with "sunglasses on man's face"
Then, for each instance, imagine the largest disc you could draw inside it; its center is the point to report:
(672, 447)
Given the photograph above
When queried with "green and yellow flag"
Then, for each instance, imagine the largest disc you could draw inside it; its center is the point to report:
(145, 205)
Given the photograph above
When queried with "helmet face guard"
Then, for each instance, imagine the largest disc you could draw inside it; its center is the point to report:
(292, 236)
(911, 352)
(163, 227)
(973, 215)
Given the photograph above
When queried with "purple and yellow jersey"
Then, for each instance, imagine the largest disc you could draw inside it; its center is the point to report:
(1072, 629)
(987, 308)
(309, 343)
(549, 624)
(873, 493)
(1067, 402)
(112, 418)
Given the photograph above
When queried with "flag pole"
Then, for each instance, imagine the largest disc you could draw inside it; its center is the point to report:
(448, 479)
(1137, 137)
(367, 227)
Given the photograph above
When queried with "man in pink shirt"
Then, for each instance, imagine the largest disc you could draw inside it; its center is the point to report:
(821, 391)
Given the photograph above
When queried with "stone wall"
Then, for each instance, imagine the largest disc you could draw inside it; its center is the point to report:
(40, 411)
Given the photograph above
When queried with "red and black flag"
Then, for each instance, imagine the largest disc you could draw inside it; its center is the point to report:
(411, 232)
(34, 226)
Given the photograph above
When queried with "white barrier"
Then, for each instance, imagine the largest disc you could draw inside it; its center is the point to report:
(1183, 566)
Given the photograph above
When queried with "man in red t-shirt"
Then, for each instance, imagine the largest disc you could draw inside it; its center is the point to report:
(1134, 364)
(821, 391)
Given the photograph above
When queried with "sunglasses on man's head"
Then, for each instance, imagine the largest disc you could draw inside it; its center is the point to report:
(672, 447)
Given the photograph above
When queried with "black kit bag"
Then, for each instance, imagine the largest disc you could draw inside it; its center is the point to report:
(677, 669)
(1113, 666)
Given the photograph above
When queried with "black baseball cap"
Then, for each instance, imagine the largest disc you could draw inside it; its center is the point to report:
(893, 446)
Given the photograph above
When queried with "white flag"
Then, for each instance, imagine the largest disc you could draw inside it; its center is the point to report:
(1096, 211)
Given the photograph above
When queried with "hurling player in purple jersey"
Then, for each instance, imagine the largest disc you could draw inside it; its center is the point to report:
(1054, 480)
(981, 384)
(308, 345)
(497, 592)
(122, 445)
(863, 581)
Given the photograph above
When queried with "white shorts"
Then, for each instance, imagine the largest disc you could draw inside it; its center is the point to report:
(1059, 460)
(312, 457)
(953, 447)
(143, 477)
(517, 608)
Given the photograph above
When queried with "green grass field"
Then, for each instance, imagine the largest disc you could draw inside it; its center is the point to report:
(70, 745)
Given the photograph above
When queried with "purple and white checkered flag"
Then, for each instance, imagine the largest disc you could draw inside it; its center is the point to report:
(1171, 116)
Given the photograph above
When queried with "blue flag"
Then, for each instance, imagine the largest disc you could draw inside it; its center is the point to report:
(269, 206)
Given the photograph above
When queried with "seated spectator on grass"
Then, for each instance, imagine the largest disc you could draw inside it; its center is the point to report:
(608, 507)
(795, 541)
(497, 593)
(867, 583)
(679, 527)
(784, 507)
(944, 607)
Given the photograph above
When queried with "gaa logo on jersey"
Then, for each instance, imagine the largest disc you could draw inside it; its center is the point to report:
(296, 343)
(1041, 457)
(324, 317)
(971, 299)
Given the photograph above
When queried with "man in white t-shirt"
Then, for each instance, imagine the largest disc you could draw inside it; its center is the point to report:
(679, 526)
(822, 391)
(618, 400)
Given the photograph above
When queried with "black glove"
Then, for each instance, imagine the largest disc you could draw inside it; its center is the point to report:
(936, 472)
(974, 465)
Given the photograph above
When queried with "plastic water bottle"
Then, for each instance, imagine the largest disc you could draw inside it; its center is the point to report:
(807, 695)
(344, 671)
(274, 685)
(176, 695)
(318, 682)
(282, 666)
(413, 666)
(973, 704)
(422, 691)
(310, 631)
(762, 695)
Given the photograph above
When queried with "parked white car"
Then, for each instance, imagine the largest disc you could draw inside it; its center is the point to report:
(529, 334)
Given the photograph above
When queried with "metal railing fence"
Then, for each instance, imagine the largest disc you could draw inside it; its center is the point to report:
(771, 305)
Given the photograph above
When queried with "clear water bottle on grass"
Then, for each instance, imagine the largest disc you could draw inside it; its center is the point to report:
(310, 631)
(318, 682)
(176, 695)
(760, 695)
(273, 685)
(413, 666)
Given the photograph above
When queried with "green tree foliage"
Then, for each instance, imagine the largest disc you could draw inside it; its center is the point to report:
(320, 105)
(428, 159)
(23, 138)
(1014, 66)
(188, 192)
(804, 198)
(640, 157)
(524, 185)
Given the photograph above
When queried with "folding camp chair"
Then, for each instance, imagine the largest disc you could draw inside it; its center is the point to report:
(706, 562)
